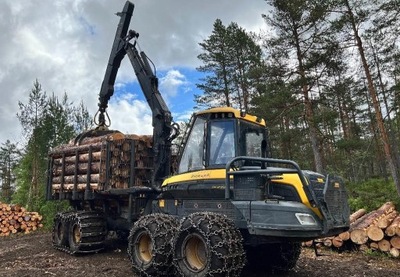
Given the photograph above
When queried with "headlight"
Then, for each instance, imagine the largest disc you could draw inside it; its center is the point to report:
(305, 219)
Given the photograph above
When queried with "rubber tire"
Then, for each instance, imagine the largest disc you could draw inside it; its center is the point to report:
(274, 257)
(60, 231)
(149, 244)
(74, 226)
(215, 246)
(87, 232)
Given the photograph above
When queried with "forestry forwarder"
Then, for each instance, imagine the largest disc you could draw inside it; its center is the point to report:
(227, 200)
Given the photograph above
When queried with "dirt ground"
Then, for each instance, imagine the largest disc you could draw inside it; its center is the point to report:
(32, 255)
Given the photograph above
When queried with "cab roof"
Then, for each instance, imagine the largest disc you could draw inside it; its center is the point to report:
(236, 113)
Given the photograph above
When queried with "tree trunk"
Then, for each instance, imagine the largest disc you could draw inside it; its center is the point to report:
(309, 114)
(379, 118)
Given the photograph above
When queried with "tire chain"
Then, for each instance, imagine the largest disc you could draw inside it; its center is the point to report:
(220, 227)
(92, 227)
(160, 227)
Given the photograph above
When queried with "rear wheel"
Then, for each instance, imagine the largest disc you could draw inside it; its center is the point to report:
(60, 231)
(149, 244)
(208, 244)
(87, 232)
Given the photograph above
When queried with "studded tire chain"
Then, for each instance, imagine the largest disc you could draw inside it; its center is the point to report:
(225, 256)
(90, 227)
(161, 229)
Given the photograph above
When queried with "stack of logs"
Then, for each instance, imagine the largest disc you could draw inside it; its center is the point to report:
(15, 219)
(378, 230)
(114, 161)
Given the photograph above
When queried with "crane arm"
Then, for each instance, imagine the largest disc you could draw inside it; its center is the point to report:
(164, 130)
(117, 54)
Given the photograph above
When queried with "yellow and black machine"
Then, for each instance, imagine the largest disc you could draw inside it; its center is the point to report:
(226, 204)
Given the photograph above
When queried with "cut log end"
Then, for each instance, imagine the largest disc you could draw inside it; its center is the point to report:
(359, 236)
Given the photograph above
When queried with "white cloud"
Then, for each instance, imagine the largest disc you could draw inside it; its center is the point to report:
(130, 116)
(66, 44)
(172, 82)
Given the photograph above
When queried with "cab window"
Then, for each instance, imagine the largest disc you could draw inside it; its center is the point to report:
(192, 157)
(222, 142)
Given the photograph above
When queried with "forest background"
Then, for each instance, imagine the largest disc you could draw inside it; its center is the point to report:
(325, 77)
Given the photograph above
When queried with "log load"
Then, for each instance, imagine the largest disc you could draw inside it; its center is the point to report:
(15, 219)
(357, 214)
(394, 227)
(339, 240)
(378, 230)
(361, 230)
(113, 161)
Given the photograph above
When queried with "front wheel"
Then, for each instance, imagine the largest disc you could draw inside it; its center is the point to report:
(208, 244)
(149, 244)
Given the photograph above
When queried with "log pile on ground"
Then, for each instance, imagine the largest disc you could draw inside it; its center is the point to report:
(15, 219)
(113, 161)
(378, 230)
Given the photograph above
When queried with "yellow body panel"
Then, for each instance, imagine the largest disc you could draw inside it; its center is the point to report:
(213, 174)
(196, 176)
(294, 179)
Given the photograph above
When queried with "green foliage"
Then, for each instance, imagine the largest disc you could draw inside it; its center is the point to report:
(23, 176)
(372, 194)
(49, 209)
(375, 254)
(9, 156)
(47, 122)
(230, 56)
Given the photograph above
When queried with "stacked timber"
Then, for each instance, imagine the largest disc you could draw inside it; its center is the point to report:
(112, 161)
(378, 230)
(15, 219)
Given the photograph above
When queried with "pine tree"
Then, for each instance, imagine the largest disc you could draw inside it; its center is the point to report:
(30, 117)
(9, 156)
(48, 122)
(229, 55)
(81, 118)
(353, 15)
(304, 39)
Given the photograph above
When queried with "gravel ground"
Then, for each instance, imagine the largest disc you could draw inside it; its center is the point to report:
(32, 255)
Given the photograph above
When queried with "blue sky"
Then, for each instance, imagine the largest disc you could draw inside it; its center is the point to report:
(177, 86)
(65, 45)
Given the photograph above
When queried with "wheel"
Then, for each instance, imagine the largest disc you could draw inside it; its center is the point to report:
(75, 236)
(208, 244)
(274, 257)
(87, 232)
(60, 231)
(149, 244)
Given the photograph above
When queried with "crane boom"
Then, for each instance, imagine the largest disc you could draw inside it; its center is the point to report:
(164, 130)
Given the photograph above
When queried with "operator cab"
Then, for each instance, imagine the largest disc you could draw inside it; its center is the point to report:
(220, 134)
(214, 137)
